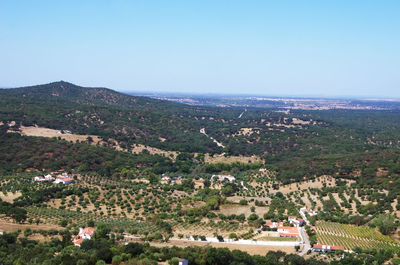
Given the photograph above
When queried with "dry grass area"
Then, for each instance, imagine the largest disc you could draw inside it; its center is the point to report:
(41, 238)
(236, 199)
(46, 132)
(138, 148)
(299, 121)
(266, 234)
(229, 209)
(9, 226)
(247, 131)
(316, 183)
(230, 159)
(9, 197)
(208, 231)
(251, 249)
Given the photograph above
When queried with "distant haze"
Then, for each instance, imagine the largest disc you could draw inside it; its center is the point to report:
(278, 48)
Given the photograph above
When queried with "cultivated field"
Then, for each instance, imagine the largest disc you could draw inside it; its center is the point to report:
(351, 236)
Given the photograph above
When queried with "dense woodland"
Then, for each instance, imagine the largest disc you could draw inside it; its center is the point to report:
(334, 142)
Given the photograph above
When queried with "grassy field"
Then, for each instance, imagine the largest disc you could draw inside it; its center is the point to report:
(351, 236)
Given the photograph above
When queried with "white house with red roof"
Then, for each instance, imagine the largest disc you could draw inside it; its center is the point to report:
(166, 178)
(63, 179)
(84, 233)
(326, 248)
(296, 221)
(288, 231)
(309, 211)
(48, 177)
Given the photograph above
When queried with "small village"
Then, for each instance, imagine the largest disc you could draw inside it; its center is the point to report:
(55, 177)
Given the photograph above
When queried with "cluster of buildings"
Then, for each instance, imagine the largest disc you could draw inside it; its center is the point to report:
(169, 179)
(84, 233)
(223, 177)
(263, 170)
(284, 231)
(296, 221)
(47, 177)
(63, 178)
(303, 211)
(288, 231)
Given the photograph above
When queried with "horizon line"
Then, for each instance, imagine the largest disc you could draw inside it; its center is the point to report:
(142, 92)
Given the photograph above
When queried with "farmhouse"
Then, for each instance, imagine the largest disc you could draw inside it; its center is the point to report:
(48, 177)
(84, 233)
(274, 224)
(39, 178)
(310, 212)
(165, 178)
(223, 177)
(296, 221)
(288, 231)
(63, 180)
(326, 248)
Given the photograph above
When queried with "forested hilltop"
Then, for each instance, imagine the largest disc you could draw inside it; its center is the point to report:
(105, 113)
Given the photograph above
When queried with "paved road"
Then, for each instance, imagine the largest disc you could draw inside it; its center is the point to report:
(306, 242)
(304, 217)
(203, 131)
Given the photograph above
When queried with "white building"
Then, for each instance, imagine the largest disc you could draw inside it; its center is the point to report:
(84, 233)
(309, 211)
(166, 178)
(223, 177)
(63, 180)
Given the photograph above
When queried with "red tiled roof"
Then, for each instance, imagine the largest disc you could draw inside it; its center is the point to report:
(337, 247)
(319, 246)
(78, 241)
(67, 179)
(290, 230)
(88, 231)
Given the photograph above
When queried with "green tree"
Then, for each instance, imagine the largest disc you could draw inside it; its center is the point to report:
(173, 261)
(385, 223)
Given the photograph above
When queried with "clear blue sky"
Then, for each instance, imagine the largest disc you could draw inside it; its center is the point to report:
(328, 48)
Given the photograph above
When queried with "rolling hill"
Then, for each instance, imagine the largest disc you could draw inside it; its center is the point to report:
(106, 113)
(296, 144)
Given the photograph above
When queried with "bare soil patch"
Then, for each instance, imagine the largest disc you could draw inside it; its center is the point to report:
(251, 249)
(10, 197)
(241, 209)
(138, 148)
(8, 226)
(46, 132)
(316, 183)
(231, 159)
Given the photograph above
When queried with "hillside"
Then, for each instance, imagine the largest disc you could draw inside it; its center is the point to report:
(296, 144)
(106, 113)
